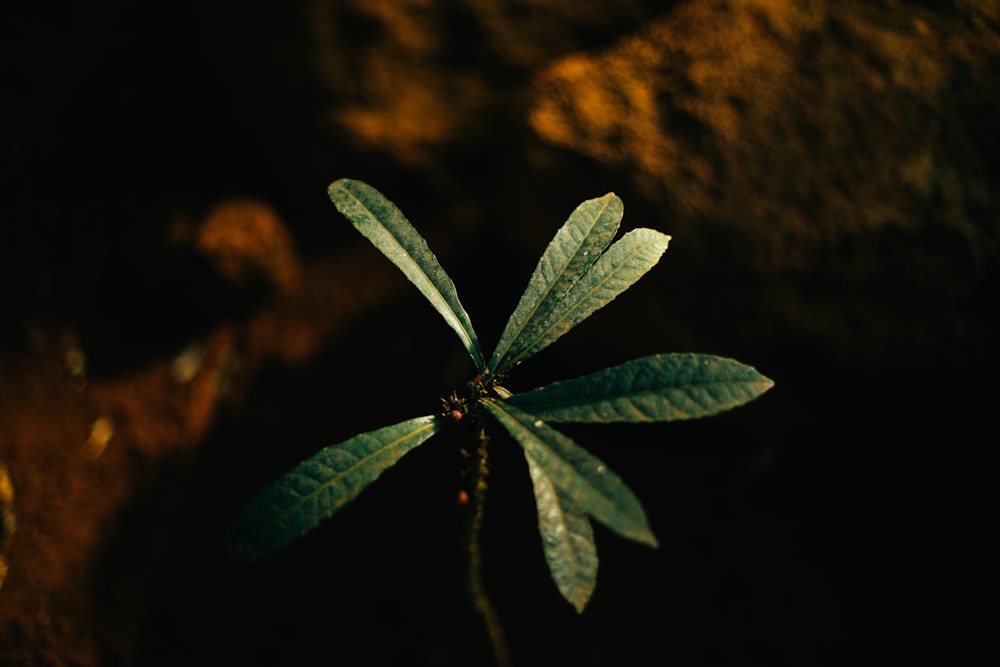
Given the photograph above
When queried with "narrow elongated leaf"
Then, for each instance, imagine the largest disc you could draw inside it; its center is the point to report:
(567, 539)
(382, 223)
(315, 489)
(573, 250)
(582, 477)
(617, 269)
(662, 387)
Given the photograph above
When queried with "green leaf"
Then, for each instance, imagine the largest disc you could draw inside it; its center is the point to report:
(382, 223)
(316, 488)
(582, 477)
(617, 269)
(662, 387)
(573, 250)
(567, 539)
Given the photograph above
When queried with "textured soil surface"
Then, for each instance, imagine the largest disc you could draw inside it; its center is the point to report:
(184, 316)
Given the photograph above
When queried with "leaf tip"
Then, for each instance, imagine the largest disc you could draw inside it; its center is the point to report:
(643, 535)
(650, 540)
(337, 185)
(762, 385)
(610, 197)
(657, 239)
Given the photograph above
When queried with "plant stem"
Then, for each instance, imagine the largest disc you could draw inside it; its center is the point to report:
(480, 597)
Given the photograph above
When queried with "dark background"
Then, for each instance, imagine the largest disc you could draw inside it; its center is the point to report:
(828, 172)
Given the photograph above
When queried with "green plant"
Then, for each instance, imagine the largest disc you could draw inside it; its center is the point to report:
(577, 275)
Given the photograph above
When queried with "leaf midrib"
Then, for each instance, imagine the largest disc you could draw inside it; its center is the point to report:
(630, 394)
(581, 301)
(303, 498)
(413, 260)
(562, 516)
(541, 299)
(541, 443)
(450, 315)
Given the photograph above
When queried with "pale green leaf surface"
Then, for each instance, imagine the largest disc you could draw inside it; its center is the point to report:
(582, 477)
(663, 387)
(382, 223)
(567, 539)
(316, 488)
(618, 268)
(575, 247)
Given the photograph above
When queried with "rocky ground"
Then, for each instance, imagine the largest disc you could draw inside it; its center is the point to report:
(184, 315)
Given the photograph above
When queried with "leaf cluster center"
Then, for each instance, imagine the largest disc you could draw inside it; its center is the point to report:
(481, 387)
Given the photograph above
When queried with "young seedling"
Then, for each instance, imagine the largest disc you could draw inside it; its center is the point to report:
(580, 272)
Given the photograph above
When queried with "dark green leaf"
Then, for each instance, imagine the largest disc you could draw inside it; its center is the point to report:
(582, 477)
(387, 228)
(617, 269)
(576, 246)
(314, 490)
(567, 539)
(662, 387)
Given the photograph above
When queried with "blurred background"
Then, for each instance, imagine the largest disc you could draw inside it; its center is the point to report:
(184, 315)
